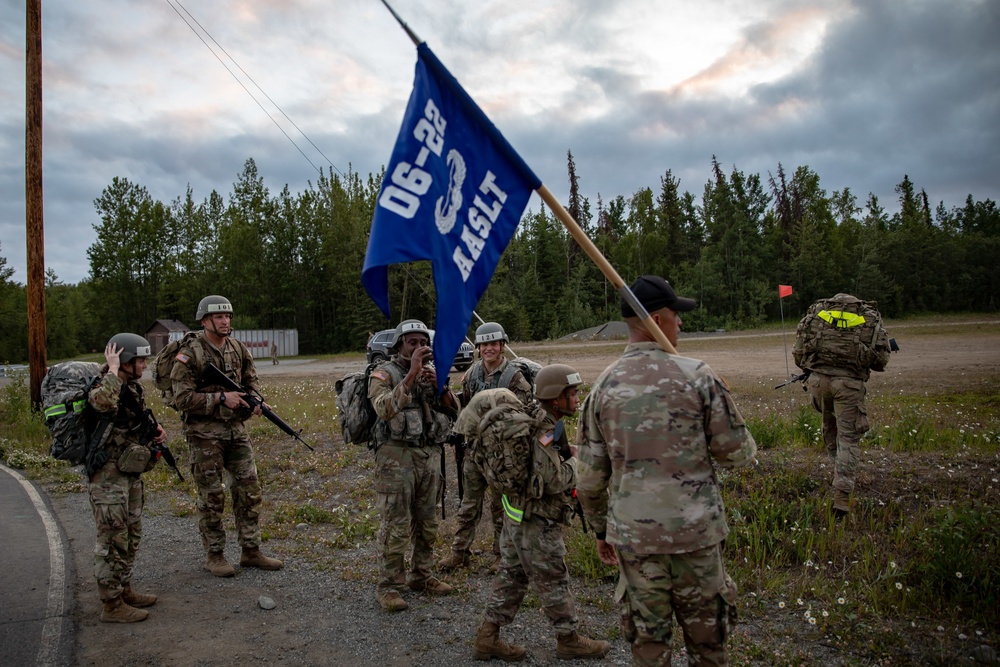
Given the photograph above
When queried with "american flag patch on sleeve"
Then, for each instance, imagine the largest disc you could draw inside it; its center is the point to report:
(381, 375)
(546, 439)
(183, 358)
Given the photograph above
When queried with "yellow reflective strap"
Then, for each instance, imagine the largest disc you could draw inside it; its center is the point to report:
(512, 512)
(78, 406)
(55, 411)
(840, 319)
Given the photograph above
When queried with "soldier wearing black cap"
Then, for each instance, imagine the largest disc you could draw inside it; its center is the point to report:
(653, 430)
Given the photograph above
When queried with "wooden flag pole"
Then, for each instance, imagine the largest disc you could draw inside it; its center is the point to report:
(605, 266)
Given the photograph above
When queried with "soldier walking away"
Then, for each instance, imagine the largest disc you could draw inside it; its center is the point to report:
(838, 343)
(652, 432)
(214, 425)
(491, 371)
(114, 474)
(532, 549)
(413, 422)
(274, 353)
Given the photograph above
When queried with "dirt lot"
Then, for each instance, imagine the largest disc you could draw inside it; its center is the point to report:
(325, 613)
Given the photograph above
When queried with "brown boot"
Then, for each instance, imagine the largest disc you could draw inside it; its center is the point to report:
(489, 645)
(134, 599)
(432, 586)
(252, 557)
(391, 600)
(116, 611)
(454, 560)
(574, 645)
(218, 565)
(841, 503)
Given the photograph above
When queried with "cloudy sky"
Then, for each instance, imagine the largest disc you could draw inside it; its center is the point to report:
(861, 91)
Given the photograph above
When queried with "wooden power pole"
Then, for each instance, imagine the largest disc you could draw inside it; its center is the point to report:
(35, 228)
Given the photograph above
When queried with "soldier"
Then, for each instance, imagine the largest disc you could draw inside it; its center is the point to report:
(214, 426)
(838, 343)
(491, 371)
(413, 423)
(652, 431)
(114, 476)
(274, 353)
(531, 543)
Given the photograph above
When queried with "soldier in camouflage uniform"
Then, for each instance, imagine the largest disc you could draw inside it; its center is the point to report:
(491, 371)
(531, 543)
(220, 447)
(652, 431)
(413, 423)
(837, 388)
(114, 476)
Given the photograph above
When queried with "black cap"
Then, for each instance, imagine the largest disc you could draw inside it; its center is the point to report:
(653, 292)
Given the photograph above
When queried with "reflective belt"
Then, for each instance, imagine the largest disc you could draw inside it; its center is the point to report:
(512, 512)
(840, 319)
(63, 408)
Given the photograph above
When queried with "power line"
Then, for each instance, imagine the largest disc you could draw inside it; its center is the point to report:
(254, 98)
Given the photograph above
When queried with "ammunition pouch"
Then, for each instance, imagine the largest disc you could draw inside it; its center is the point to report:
(136, 459)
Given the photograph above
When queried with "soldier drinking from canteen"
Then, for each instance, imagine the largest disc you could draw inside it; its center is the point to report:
(532, 549)
(214, 424)
(491, 371)
(115, 478)
(413, 423)
(652, 432)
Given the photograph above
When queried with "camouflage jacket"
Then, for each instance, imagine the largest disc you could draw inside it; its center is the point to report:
(406, 416)
(106, 397)
(652, 431)
(200, 407)
(551, 479)
(472, 384)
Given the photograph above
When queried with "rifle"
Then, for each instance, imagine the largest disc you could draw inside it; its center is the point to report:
(212, 375)
(565, 453)
(148, 428)
(801, 377)
(578, 510)
(457, 440)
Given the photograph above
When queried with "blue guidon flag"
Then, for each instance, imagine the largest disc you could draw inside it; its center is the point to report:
(453, 193)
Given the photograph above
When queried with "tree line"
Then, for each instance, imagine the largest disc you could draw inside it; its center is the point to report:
(293, 260)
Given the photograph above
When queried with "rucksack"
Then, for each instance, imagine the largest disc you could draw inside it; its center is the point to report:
(501, 429)
(843, 332)
(74, 425)
(163, 364)
(354, 411)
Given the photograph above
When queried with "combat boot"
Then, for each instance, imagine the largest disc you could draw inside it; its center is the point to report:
(116, 611)
(252, 557)
(454, 560)
(841, 503)
(218, 565)
(489, 645)
(391, 600)
(432, 586)
(134, 599)
(574, 645)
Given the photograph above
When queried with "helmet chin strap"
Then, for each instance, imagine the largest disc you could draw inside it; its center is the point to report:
(129, 370)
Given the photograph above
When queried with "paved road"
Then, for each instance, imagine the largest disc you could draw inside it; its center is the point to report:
(36, 578)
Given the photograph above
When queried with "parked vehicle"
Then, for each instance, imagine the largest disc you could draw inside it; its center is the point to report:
(379, 349)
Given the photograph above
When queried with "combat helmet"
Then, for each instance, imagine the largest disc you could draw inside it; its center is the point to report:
(489, 332)
(213, 304)
(407, 327)
(553, 380)
(132, 346)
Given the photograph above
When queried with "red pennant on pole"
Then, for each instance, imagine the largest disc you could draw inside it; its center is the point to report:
(784, 290)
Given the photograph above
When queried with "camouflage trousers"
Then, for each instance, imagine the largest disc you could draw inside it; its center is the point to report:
(475, 491)
(407, 488)
(116, 499)
(841, 401)
(693, 587)
(532, 551)
(216, 461)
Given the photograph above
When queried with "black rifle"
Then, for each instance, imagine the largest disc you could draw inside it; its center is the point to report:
(212, 375)
(565, 453)
(801, 377)
(457, 440)
(148, 429)
(578, 510)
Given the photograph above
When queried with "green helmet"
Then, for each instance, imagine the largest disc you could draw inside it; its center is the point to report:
(489, 332)
(553, 380)
(407, 327)
(132, 346)
(213, 304)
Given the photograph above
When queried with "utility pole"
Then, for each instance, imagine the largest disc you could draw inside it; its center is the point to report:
(34, 225)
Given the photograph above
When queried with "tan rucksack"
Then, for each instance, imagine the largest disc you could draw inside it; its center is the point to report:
(842, 332)
(163, 364)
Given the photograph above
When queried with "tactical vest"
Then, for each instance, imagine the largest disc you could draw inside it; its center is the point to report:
(501, 378)
(407, 425)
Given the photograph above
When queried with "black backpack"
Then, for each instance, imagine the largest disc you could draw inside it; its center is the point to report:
(76, 428)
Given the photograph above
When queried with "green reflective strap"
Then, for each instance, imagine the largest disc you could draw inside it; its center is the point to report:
(78, 406)
(55, 410)
(512, 512)
(840, 319)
